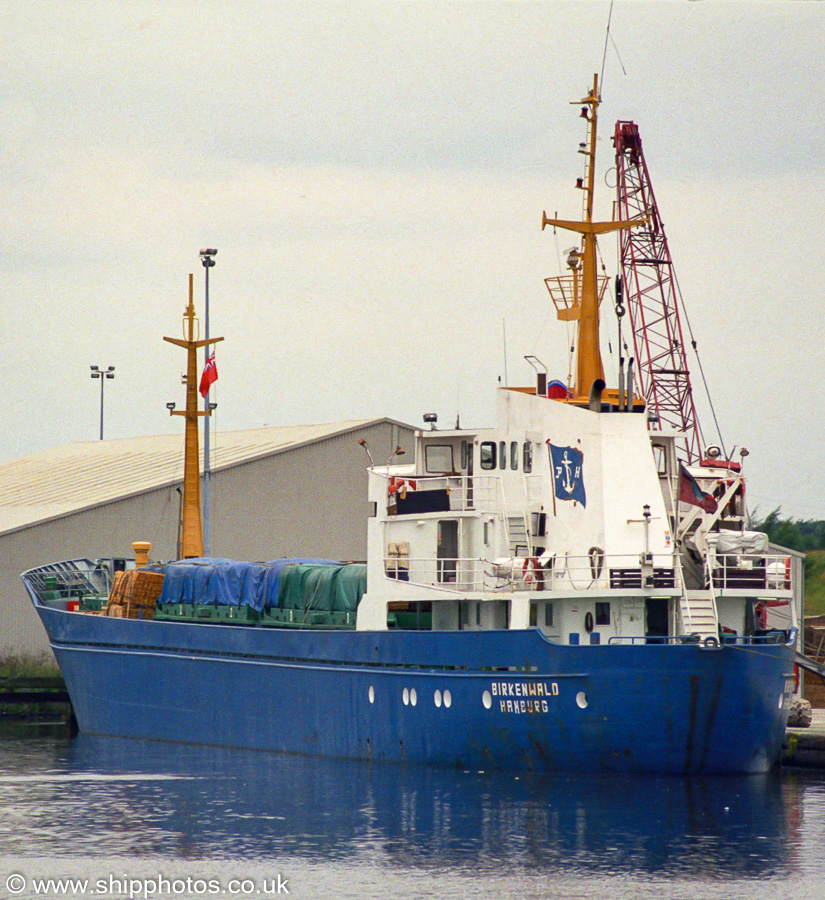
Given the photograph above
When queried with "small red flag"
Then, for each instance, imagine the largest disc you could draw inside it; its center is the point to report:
(210, 375)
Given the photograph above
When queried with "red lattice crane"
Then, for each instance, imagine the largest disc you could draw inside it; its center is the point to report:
(651, 294)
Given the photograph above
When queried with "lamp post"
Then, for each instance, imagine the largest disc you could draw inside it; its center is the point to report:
(207, 261)
(102, 374)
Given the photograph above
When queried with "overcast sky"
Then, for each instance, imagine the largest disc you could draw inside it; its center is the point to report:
(373, 176)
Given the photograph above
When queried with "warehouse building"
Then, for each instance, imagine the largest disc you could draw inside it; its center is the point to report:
(275, 492)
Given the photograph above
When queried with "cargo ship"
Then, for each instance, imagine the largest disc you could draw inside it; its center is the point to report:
(572, 588)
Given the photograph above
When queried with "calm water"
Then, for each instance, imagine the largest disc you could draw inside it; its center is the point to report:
(138, 820)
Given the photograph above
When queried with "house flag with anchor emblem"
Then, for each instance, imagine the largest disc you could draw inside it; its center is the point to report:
(567, 464)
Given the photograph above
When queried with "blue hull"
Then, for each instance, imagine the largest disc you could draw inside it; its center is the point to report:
(442, 698)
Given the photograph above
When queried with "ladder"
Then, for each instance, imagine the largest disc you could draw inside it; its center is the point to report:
(698, 610)
(697, 607)
(518, 536)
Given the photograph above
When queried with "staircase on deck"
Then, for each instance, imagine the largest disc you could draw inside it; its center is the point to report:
(698, 611)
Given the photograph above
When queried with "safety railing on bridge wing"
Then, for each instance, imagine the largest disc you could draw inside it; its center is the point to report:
(416, 494)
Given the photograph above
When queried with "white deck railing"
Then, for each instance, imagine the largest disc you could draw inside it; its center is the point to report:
(769, 573)
(481, 493)
(734, 571)
(565, 573)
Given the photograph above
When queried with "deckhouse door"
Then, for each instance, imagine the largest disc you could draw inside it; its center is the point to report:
(447, 550)
(656, 616)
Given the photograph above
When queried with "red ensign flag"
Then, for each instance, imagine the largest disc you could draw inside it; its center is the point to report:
(210, 375)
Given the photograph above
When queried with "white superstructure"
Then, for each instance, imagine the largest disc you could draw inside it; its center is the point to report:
(567, 519)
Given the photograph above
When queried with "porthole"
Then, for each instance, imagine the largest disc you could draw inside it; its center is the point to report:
(781, 700)
(581, 700)
(448, 699)
(487, 699)
(406, 697)
(371, 694)
(413, 697)
(437, 699)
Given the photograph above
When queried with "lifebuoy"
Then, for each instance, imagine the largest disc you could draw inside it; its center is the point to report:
(530, 569)
(401, 485)
(588, 622)
(787, 573)
(596, 557)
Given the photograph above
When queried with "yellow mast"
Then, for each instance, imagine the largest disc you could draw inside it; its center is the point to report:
(589, 366)
(191, 531)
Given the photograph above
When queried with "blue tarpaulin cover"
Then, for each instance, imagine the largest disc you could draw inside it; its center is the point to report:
(226, 582)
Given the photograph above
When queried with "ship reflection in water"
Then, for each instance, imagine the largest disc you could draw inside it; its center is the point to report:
(107, 797)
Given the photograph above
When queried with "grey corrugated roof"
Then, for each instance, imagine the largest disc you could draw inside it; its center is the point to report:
(79, 476)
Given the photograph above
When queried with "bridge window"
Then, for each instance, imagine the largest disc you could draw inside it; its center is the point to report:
(528, 456)
(502, 454)
(488, 455)
(514, 455)
(438, 458)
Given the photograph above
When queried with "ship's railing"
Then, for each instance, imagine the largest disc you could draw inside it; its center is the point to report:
(548, 573)
(733, 571)
(57, 583)
(416, 494)
(770, 573)
(453, 574)
(772, 636)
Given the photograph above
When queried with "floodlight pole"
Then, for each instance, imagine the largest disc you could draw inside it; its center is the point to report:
(207, 261)
(102, 374)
